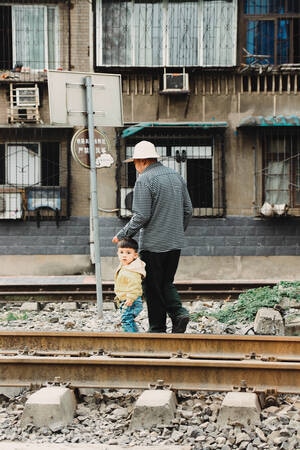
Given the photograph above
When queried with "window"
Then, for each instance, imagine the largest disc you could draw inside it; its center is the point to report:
(37, 172)
(272, 28)
(31, 164)
(200, 164)
(166, 32)
(23, 164)
(282, 170)
(28, 37)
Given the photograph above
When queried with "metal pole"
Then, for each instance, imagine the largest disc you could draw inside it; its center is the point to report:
(93, 191)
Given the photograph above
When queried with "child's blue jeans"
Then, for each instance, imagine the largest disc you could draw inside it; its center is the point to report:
(129, 313)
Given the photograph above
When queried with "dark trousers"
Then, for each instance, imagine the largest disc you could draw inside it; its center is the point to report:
(160, 293)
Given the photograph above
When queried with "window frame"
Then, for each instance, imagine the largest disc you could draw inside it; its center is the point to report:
(25, 164)
(14, 54)
(205, 54)
(212, 203)
(47, 196)
(289, 155)
(275, 17)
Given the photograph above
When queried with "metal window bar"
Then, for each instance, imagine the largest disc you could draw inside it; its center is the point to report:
(158, 33)
(34, 180)
(201, 165)
(31, 39)
(280, 173)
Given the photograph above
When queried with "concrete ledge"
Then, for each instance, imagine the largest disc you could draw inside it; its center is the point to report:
(203, 268)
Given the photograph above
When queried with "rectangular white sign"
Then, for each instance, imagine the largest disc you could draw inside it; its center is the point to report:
(67, 98)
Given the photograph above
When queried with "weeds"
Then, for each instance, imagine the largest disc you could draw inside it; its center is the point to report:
(12, 316)
(245, 308)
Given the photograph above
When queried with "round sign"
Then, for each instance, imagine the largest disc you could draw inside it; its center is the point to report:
(80, 149)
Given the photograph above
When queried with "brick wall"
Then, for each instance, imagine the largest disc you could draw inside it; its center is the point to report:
(232, 236)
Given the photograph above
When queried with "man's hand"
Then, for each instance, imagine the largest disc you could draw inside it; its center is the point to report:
(115, 240)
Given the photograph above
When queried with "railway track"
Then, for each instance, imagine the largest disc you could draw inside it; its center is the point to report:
(140, 360)
(86, 292)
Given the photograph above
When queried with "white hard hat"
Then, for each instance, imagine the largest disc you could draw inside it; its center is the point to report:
(143, 150)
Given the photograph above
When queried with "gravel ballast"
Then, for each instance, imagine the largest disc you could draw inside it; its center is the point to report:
(103, 416)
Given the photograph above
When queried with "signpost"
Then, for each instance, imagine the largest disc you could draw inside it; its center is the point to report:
(88, 99)
(80, 148)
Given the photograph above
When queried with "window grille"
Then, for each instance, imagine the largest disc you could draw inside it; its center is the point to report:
(277, 180)
(281, 169)
(33, 176)
(198, 160)
(29, 37)
(272, 28)
(166, 33)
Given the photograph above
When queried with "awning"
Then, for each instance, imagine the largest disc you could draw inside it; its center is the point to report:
(140, 126)
(270, 121)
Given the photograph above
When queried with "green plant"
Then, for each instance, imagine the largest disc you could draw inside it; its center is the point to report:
(11, 316)
(247, 305)
(290, 289)
(249, 302)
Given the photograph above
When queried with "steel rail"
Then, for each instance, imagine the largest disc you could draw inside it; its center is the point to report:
(229, 345)
(87, 291)
(183, 374)
(124, 360)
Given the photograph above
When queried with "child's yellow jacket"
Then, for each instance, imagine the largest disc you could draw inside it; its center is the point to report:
(128, 280)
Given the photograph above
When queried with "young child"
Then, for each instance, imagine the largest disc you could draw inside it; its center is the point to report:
(128, 283)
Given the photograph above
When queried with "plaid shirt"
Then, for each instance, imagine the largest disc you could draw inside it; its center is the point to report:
(161, 208)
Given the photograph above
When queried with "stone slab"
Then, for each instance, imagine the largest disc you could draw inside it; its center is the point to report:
(292, 328)
(268, 321)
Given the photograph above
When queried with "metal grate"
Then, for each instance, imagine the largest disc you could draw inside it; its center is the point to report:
(31, 38)
(198, 159)
(159, 33)
(34, 179)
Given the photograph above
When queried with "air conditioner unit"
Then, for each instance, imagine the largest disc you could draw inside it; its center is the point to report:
(11, 205)
(27, 97)
(126, 202)
(176, 82)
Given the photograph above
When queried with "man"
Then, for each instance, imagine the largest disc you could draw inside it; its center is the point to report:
(162, 209)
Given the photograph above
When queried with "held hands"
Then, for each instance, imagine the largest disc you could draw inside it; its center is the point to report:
(128, 302)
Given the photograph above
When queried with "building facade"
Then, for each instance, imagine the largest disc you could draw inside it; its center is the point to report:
(213, 84)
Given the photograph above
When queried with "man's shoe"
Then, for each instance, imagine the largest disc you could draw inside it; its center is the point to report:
(180, 324)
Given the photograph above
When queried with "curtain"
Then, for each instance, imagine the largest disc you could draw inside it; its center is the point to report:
(116, 34)
(52, 37)
(182, 34)
(277, 182)
(219, 31)
(23, 165)
(28, 36)
(147, 34)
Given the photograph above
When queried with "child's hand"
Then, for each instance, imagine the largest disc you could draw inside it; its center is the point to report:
(128, 303)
